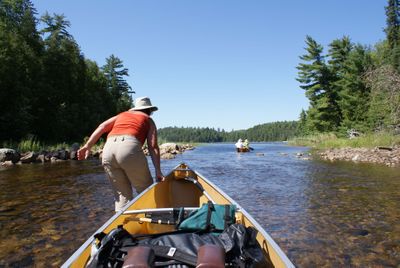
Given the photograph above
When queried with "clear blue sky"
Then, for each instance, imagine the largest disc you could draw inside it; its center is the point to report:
(222, 64)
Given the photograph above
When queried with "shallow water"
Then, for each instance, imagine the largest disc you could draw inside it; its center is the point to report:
(321, 214)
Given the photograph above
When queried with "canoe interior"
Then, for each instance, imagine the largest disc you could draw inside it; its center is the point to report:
(175, 192)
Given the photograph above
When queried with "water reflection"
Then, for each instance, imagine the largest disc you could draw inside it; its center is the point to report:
(321, 214)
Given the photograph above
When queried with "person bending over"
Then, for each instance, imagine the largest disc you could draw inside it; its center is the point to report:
(123, 158)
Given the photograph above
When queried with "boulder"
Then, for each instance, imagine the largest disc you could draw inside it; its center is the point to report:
(356, 158)
(62, 154)
(28, 157)
(41, 158)
(47, 156)
(7, 154)
(187, 147)
(74, 151)
(6, 163)
(172, 148)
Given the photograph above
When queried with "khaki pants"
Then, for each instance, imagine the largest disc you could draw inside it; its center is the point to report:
(126, 167)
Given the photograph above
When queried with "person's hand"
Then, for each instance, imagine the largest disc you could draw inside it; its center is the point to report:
(160, 177)
(83, 153)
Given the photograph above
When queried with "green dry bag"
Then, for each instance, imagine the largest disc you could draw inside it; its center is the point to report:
(210, 217)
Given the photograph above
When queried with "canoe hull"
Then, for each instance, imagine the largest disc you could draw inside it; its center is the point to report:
(172, 193)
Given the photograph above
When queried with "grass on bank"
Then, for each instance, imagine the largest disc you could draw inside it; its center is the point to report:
(33, 145)
(330, 140)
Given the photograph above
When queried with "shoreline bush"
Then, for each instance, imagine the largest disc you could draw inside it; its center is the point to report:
(331, 140)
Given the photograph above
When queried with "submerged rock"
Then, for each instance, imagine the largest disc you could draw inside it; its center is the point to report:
(359, 232)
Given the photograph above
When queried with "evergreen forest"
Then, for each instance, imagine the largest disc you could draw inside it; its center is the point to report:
(51, 92)
(351, 86)
(277, 131)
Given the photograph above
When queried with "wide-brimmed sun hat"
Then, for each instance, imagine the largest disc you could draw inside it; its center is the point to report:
(143, 103)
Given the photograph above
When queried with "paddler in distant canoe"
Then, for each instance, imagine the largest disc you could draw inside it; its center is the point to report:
(239, 145)
(246, 145)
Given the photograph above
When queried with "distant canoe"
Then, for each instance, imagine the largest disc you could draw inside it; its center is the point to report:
(242, 150)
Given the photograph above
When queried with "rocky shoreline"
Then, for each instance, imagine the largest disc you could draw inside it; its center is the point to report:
(10, 157)
(389, 156)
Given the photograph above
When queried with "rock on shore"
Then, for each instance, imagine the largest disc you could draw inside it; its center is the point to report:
(389, 156)
(11, 156)
(170, 150)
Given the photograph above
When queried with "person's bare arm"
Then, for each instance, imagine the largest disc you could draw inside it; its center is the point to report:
(106, 126)
(154, 150)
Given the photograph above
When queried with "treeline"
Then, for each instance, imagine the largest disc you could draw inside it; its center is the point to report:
(277, 131)
(48, 89)
(353, 86)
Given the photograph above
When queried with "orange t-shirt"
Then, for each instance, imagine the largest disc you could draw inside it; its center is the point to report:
(131, 123)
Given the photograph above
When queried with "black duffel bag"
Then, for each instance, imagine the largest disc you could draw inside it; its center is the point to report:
(179, 248)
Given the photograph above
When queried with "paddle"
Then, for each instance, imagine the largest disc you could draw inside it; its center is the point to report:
(152, 210)
(168, 222)
(171, 216)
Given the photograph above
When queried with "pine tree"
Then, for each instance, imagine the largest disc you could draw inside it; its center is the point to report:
(302, 125)
(354, 93)
(339, 50)
(316, 78)
(20, 67)
(393, 32)
(118, 87)
(60, 99)
(392, 23)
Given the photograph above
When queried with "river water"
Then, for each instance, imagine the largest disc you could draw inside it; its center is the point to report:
(321, 214)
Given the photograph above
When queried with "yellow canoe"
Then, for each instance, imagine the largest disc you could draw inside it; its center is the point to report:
(175, 192)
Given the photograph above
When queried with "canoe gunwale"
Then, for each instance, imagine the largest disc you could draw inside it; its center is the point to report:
(269, 239)
(256, 225)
